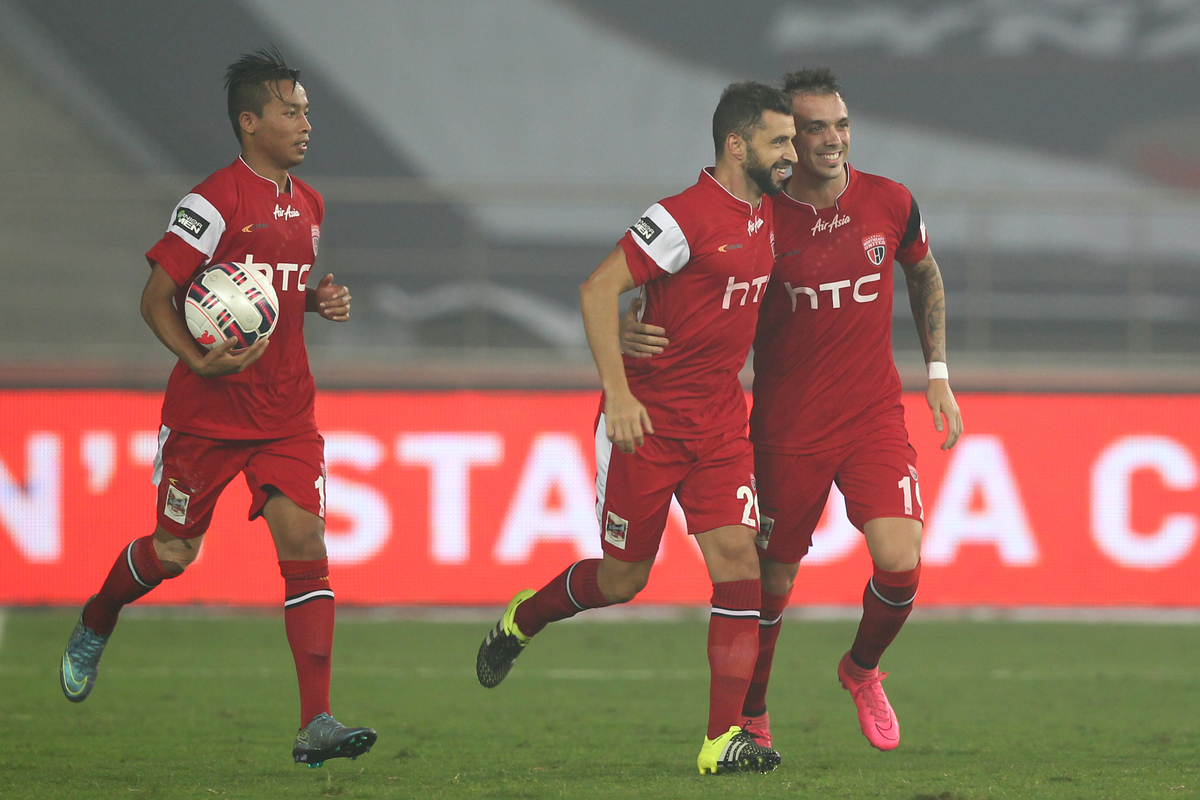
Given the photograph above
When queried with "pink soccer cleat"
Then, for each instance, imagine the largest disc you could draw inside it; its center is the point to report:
(760, 728)
(875, 714)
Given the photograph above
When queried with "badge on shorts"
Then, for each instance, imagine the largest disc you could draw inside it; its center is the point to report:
(765, 524)
(177, 504)
(615, 530)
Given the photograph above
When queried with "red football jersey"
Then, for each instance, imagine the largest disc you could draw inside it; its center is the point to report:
(702, 258)
(823, 368)
(238, 215)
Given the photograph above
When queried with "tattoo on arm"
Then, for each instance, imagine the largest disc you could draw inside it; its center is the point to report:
(927, 297)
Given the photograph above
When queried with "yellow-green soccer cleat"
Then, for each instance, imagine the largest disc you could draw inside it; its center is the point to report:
(502, 645)
(736, 751)
(325, 738)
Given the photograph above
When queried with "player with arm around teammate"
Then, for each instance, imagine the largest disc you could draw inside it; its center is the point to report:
(248, 411)
(676, 425)
(827, 398)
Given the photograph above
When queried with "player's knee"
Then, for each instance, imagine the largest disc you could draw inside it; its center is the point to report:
(777, 578)
(176, 555)
(622, 586)
(900, 557)
(303, 545)
(623, 591)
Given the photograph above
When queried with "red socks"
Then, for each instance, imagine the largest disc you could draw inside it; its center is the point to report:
(135, 572)
(770, 620)
(308, 618)
(887, 602)
(732, 651)
(572, 591)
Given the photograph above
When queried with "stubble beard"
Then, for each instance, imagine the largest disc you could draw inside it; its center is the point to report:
(761, 175)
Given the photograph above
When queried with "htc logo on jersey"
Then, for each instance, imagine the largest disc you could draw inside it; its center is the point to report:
(835, 291)
(285, 270)
(744, 287)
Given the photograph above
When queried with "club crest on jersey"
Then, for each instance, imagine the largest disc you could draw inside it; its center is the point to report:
(876, 247)
(765, 524)
(316, 237)
(646, 230)
(615, 530)
(177, 503)
(192, 223)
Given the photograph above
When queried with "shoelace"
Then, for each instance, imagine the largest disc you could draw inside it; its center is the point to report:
(92, 644)
(873, 693)
(746, 730)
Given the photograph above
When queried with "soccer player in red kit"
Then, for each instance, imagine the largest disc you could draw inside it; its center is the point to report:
(827, 398)
(250, 411)
(676, 425)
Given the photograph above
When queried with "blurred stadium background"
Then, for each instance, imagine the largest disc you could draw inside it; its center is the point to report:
(478, 164)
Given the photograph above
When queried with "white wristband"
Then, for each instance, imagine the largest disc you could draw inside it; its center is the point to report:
(937, 369)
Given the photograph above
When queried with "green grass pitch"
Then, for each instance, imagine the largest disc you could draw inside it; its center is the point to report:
(197, 706)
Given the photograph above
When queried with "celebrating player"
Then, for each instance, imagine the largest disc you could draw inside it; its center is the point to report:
(678, 422)
(249, 411)
(827, 404)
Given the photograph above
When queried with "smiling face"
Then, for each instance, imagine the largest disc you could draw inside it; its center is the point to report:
(822, 139)
(770, 153)
(277, 140)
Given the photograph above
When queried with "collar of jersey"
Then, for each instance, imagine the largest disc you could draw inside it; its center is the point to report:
(707, 173)
(850, 171)
(268, 180)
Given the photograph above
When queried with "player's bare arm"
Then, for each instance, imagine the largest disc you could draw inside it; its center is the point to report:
(927, 297)
(639, 340)
(328, 299)
(158, 309)
(626, 419)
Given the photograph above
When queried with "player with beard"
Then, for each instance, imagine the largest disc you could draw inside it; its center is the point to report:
(827, 398)
(675, 425)
(251, 411)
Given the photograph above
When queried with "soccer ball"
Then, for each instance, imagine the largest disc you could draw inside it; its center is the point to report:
(229, 301)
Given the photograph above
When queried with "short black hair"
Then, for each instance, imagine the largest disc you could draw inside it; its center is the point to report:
(741, 108)
(819, 80)
(251, 81)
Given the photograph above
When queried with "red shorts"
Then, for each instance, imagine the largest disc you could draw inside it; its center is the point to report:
(712, 478)
(192, 471)
(877, 474)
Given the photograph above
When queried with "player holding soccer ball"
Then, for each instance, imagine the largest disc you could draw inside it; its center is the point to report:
(827, 404)
(248, 411)
(677, 425)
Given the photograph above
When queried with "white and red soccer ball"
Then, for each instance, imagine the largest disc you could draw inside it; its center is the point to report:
(229, 301)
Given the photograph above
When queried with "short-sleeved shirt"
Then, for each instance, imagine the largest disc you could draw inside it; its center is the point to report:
(823, 368)
(237, 215)
(703, 258)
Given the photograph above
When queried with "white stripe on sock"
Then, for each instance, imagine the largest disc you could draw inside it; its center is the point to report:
(891, 603)
(304, 598)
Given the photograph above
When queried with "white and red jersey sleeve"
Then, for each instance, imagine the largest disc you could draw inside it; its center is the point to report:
(237, 215)
(823, 367)
(703, 259)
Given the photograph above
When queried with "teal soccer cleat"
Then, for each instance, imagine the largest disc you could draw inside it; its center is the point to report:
(81, 661)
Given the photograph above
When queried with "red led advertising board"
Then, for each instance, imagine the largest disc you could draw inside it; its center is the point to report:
(462, 498)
